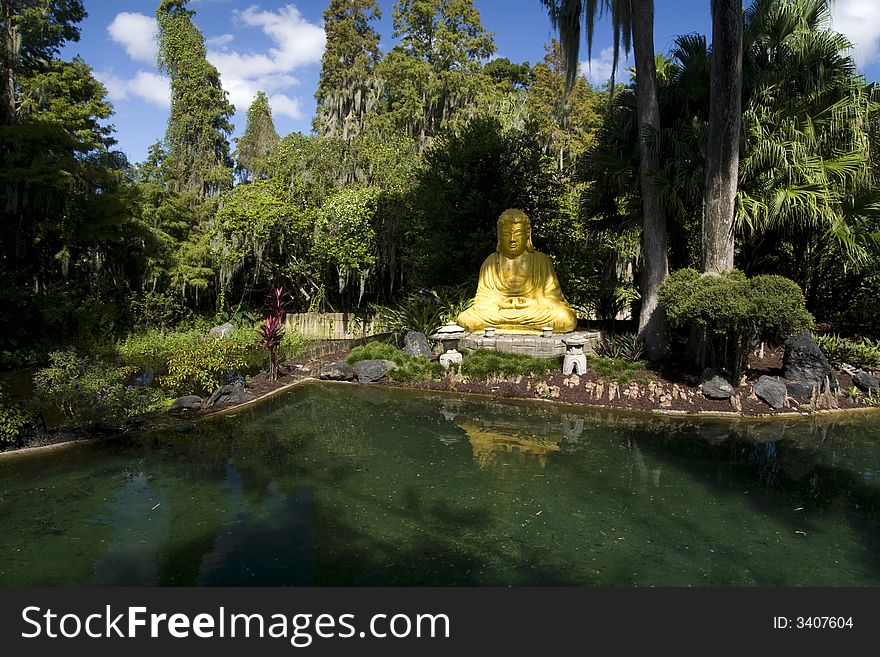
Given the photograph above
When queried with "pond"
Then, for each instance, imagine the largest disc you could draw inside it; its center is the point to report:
(355, 485)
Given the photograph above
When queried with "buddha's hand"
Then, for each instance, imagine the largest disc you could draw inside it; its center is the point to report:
(514, 303)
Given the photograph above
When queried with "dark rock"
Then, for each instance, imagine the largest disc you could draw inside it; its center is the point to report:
(416, 344)
(229, 394)
(370, 371)
(771, 390)
(337, 372)
(143, 379)
(804, 362)
(187, 403)
(714, 386)
(799, 389)
(184, 427)
(233, 378)
(221, 331)
(866, 382)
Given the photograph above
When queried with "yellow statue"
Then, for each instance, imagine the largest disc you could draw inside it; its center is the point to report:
(518, 291)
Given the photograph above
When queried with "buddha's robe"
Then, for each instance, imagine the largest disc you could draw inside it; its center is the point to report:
(518, 295)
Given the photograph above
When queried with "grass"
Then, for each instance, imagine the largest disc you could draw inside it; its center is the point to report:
(409, 368)
(619, 370)
(482, 364)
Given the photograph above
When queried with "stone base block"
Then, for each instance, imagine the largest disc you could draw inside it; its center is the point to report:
(531, 345)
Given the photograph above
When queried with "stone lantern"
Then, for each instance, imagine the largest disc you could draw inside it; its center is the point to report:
(448, 336)
(574, 360)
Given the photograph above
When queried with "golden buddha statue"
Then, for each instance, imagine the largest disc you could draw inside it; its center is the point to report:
(518, 291)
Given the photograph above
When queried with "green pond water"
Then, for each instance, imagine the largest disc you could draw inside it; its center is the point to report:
(353, 485)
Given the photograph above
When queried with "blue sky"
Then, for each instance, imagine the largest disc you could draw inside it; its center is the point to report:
(276, 46)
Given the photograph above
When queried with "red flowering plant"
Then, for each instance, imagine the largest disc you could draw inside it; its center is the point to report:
(272, 329)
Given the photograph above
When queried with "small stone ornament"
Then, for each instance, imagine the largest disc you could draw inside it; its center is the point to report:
(449, 335)
(574, 361)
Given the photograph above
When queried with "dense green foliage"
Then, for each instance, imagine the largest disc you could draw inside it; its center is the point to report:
(863, 353)
(415, 154)
(89, 393)
(731, 312)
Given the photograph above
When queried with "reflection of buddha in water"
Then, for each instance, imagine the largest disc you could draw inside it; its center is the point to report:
(497, 444)
(518, 291)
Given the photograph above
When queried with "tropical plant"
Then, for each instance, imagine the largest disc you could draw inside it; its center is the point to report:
(621, 346)
(633, 23)
(272, 329)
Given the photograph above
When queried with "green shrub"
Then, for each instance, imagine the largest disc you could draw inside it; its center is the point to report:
(201, 367)
(862, 353)
(89, 393)
(482, 364)
(12, 421)
(730, 311)
(154, 349)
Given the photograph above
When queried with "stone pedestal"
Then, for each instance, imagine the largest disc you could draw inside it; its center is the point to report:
(531, 345)
(450, 357)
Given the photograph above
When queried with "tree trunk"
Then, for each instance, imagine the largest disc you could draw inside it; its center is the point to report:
(722, 152)
(652, 323)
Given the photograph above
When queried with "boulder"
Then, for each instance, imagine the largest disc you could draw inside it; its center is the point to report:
(771, 390)
(229, 394)
(143, 379)
(804, 362)
(370, 371)
(337, 372)
(799, 389)
(221, 331)
(416, 344)
(865, 382)
(187, 403)
(233, 378)
(714, 386)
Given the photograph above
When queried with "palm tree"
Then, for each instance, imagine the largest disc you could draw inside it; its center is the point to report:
(722, 151)
(633, 22)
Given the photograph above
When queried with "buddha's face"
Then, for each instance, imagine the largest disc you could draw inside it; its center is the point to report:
(513, 239)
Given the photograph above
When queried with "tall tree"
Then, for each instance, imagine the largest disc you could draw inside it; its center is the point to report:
(199, 123)
(633, 22)
(258, 142)
(348, 88)
(31, 33)
(435, 74)
(565, 122)
(722, 152)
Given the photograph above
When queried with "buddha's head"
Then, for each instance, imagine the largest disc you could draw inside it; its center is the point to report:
(514, 233)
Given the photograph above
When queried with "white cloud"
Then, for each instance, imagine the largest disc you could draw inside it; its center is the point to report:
(219, 41)
(296, 43)
(598, 71)
(286, 106)
(145, 85)
(859, 20)
(137, 33)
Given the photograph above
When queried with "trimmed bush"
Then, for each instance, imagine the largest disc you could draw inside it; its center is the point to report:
(729, 312)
